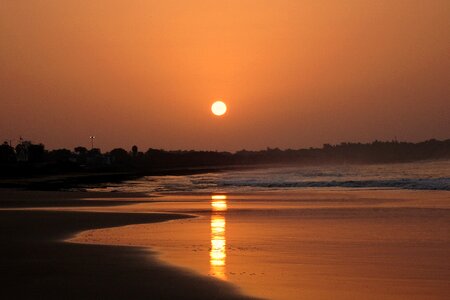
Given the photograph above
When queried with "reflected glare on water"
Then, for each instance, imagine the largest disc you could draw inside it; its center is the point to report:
(217, 254)
(218, 206)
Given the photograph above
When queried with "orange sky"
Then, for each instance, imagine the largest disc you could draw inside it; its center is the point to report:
(293, 73)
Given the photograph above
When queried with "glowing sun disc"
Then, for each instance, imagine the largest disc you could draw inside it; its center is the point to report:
(219, 108)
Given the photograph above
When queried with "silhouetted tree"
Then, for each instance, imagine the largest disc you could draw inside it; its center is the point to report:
(22, 151)
(119, 156)
(27, 151)
(134, 151)
(60, 155)
(7, 154)
(80, 150)
(36, 152)
(94, 152)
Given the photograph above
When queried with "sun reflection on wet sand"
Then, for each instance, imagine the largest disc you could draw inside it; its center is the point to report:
(304, 244)
(217, 254)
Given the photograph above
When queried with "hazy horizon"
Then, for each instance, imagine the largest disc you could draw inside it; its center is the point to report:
(129, 147)
(294, 74)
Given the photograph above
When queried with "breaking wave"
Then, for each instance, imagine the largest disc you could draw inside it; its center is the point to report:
(405, 183)
(431, 175)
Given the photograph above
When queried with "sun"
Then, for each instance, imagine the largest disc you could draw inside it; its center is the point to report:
(219, 108)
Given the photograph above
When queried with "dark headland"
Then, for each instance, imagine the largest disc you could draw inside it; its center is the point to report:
(30, 165)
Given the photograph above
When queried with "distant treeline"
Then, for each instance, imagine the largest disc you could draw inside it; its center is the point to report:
(27, 158)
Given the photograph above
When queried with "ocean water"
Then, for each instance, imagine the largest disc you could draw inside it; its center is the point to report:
(428, 175)
(317, 232)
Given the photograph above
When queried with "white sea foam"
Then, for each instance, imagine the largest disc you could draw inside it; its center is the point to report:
(433, 175)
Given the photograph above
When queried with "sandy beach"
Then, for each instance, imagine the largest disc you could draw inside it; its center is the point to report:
(310, 244)
(36, 262)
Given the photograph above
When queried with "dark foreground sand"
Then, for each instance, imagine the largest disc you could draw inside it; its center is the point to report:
(35, 263)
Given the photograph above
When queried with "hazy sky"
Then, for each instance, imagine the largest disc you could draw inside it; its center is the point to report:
(294, 73)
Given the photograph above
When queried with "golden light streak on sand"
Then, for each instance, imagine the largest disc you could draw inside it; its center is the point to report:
(219, 206)
(217, 254)
(218, 197)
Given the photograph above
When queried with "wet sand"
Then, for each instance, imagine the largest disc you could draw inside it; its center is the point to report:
(359, 244)
(36, 262)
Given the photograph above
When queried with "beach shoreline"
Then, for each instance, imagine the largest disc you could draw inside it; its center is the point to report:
(38, 263)
(311, 244)
(131, 245)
